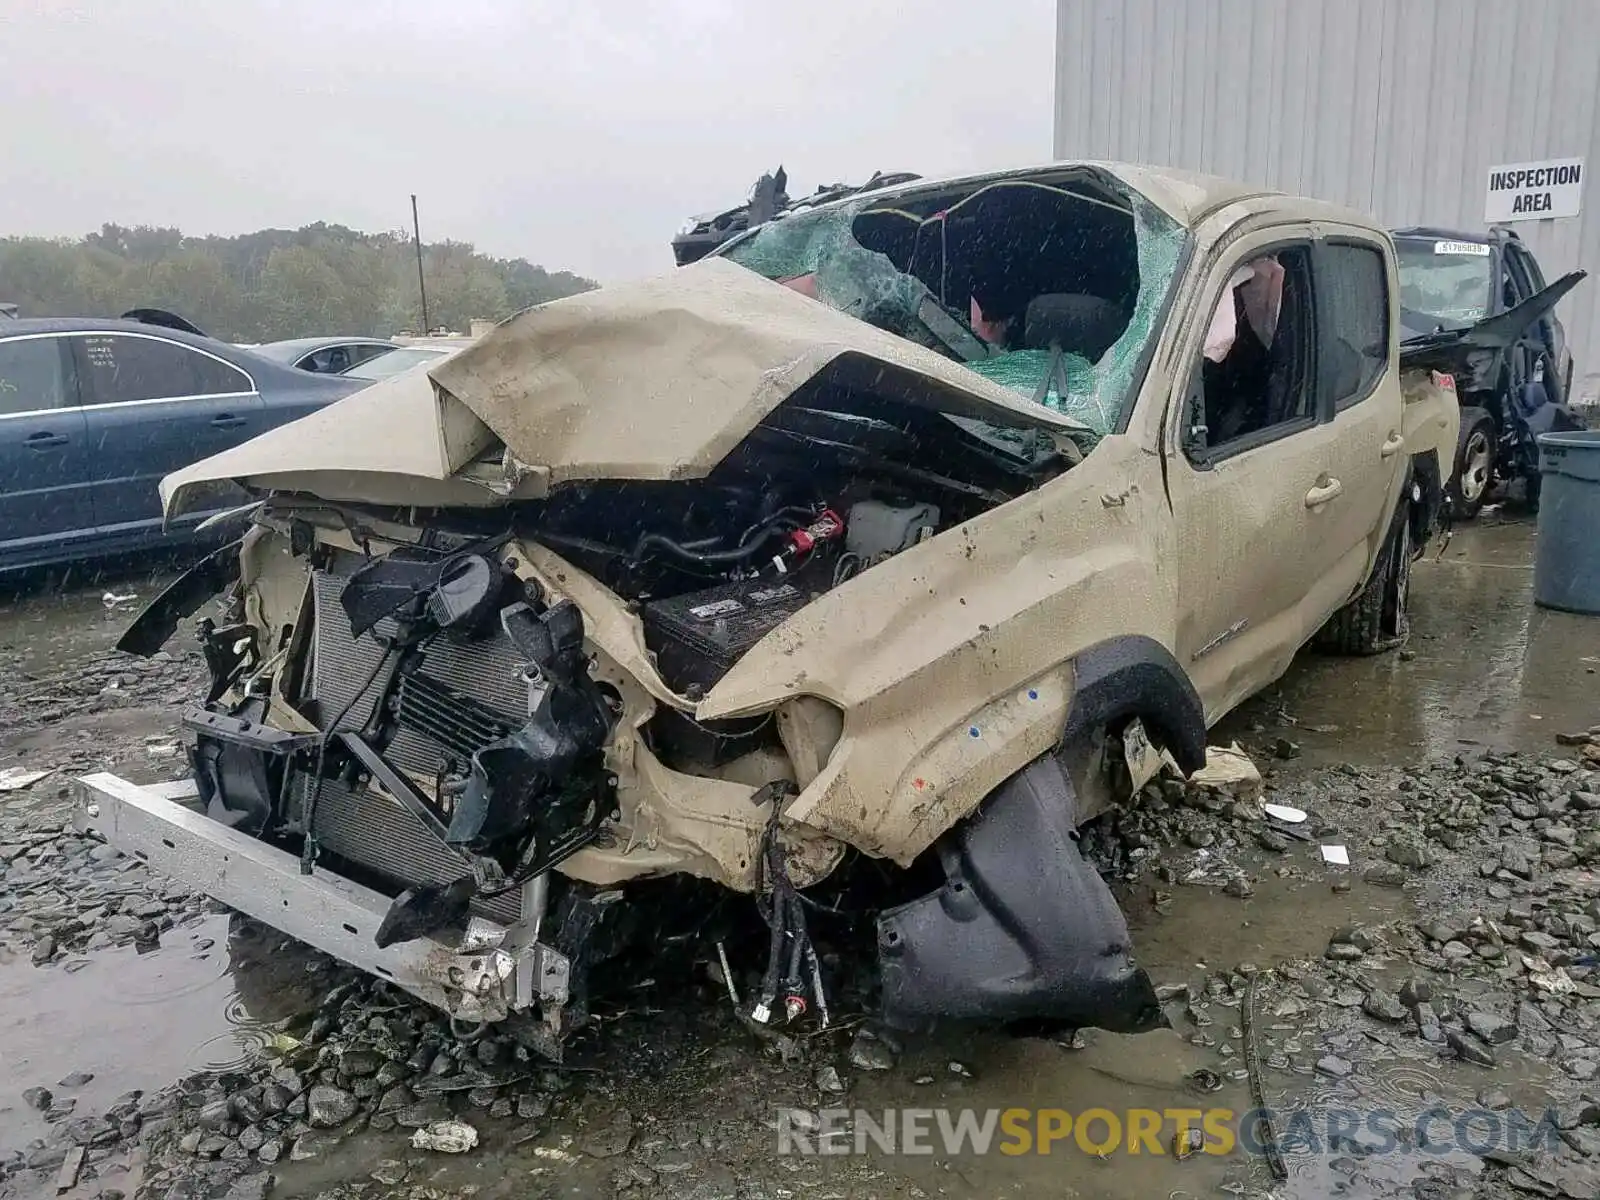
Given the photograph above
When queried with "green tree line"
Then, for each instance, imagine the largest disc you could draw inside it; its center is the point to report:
(272, 284)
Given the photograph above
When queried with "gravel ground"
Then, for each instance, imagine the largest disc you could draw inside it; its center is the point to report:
(1453, 965)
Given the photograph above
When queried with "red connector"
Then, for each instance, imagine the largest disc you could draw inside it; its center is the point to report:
(827, 527)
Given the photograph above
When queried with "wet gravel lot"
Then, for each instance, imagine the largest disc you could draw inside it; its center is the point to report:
(152, 1045)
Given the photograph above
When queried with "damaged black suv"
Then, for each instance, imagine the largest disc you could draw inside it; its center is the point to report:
(1450, 280)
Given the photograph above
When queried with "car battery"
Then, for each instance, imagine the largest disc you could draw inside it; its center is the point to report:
(697, 637)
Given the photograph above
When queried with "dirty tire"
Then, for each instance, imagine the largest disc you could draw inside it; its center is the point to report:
(1475, 461)
(1376, 620)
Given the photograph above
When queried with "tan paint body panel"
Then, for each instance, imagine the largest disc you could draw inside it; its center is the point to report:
(950, 664)
(952, 660)
(662, 379)
(656, 380)
(1432, 420)
(1261, 568)
(397, 442)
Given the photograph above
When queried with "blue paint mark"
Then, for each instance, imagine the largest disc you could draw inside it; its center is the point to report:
(973, 732)
(1033, 693)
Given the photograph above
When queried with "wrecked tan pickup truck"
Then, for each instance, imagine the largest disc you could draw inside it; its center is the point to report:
(887, 545)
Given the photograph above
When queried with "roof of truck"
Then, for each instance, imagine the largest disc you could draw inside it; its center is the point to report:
(1438, 233)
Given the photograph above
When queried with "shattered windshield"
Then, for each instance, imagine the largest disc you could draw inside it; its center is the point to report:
(1048, 286)
(1445, 283)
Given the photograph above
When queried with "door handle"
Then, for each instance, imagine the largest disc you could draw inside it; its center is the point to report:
(1393, 445)
(44, 440)
(1324, 492)
(227, 421)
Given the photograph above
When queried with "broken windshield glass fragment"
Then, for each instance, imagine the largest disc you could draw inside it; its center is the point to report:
(1049, 285)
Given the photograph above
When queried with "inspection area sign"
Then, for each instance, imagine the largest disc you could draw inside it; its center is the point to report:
(1533, 191)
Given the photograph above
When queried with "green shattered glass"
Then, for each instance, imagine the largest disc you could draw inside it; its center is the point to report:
(849, 277)
(1096, 392)
(868, 285)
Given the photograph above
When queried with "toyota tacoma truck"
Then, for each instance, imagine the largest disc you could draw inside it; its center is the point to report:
(844, 573)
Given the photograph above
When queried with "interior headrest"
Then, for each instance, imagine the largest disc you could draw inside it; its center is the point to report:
(1076, 322)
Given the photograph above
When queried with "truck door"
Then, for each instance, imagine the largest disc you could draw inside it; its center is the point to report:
(1360, 398)
(1528, 280)
(1272, 494)
(1246, 468)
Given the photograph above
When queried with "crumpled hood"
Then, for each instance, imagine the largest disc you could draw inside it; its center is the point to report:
(396, 442)
(657, 380)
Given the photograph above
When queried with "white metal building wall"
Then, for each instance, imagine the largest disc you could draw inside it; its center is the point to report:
(1394, 107)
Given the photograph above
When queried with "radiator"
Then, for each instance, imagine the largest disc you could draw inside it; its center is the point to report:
(363, 825)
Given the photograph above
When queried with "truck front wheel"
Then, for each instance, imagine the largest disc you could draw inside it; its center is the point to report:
(1475, 463)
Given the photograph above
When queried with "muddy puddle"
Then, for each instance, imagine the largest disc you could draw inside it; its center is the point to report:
(43, 629)
(205, 999)
(702, 1102)
(1187, 930)
(1485, 667)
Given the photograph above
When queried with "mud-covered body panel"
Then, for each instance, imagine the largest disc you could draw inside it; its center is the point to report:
(952, 661)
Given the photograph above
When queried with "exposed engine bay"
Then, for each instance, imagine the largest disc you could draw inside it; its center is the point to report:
(455, 732)
(813, 497)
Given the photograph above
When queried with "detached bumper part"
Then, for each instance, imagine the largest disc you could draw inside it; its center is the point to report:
(496, 971)
(1023, 927)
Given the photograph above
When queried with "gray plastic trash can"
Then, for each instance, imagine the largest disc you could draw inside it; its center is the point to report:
(1566, 571)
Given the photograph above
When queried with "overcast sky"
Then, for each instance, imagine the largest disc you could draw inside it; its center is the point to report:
(579, 135)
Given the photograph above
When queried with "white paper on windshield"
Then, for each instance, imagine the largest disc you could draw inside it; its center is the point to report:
(1474, 248)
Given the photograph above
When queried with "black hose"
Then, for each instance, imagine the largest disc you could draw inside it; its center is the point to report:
(749, 541)
(791, 512)
(746, 549)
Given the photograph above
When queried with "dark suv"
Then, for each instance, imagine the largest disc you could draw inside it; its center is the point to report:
(1450, 279)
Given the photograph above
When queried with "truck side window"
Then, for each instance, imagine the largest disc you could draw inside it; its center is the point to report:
(1255, 378)
(1353, 310)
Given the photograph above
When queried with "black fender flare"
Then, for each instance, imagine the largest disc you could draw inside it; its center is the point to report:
(1136, 676)
(158, 620)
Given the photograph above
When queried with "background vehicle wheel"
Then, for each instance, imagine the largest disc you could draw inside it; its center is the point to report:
(1376, 620)
(1475, 455)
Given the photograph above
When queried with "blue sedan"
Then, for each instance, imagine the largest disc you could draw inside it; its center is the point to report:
(93, 413)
